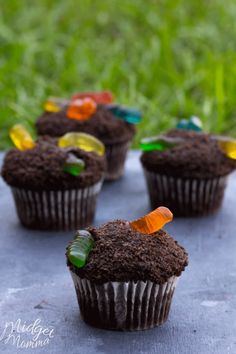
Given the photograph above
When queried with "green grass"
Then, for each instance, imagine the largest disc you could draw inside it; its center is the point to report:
(170, 58)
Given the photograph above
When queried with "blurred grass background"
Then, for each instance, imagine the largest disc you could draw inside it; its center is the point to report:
(170, 58)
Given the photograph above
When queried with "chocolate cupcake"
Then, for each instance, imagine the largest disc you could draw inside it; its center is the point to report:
(54, 188)
(105, 123)
(129, 277)
(187, 171)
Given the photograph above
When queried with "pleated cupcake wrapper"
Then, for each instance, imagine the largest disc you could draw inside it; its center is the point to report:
(126, 306)
(56, 210)
(185, 197)
(116, 155)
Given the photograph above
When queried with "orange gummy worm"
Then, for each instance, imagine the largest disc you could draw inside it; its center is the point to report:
(153, 221)
(81, 109)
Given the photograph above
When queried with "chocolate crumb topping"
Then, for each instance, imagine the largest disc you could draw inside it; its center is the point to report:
(123, 254)
(102, 124)
(199, 156)
(41, 168)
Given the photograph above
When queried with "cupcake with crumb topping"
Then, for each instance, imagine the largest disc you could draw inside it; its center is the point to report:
(115, 132)
(47, 196)
(127, 279)
(187, 171)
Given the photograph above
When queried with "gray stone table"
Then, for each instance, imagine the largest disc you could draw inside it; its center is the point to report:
(35, 283)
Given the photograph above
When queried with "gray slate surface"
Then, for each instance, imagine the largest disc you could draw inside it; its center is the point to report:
(35, 283)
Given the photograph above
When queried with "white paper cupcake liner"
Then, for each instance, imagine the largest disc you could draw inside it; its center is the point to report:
(56, 210)
(124, 306)
(185, 196)
(116, 155)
